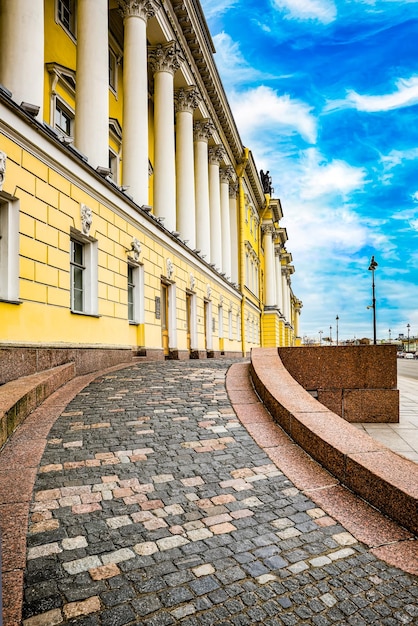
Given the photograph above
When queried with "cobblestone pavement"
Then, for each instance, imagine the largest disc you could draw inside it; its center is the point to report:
(153, 505)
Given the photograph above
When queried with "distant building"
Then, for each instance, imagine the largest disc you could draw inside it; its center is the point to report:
(132, 218)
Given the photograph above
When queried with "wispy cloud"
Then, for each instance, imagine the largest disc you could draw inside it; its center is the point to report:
(405, 95)
(216, 8)
(263, 108)
(323, 11)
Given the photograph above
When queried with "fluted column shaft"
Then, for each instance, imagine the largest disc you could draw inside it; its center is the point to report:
(92, 86)
(233, 221)
(202, 132)
(216, 154)
(226, 176)
(165, 61)
(135, 97)
(186, 100)
(268, 230)
(279, 287)
(22, 50)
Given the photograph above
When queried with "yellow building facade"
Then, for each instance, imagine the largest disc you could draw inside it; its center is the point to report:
(132, 218)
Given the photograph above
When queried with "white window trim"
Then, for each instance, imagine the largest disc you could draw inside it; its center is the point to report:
(138, 294)
(230, 333)
(90, 285)
(56, 100)
(73, 35)
(9, 248)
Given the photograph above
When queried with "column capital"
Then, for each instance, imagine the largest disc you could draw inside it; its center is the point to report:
(203, 129)
(187, 99)
(233, 189)
(278, 251)
(165, 57)
(226, 174)
(216, 154)
(3, 157)
(144, 9)
(267, 229)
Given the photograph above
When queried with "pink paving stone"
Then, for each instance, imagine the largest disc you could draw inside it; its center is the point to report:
(49, 505)
(242, 513)
(131, 482)
(104, 455)
(104, 571)
(153, 524)
(138, 457)
(204, 503)
(80, 509)
(72, 413)
(325, 521)
(41, 516)
(85, 607)
(48, 494)
(152, 504)
(92, 463)
(76, 490)
(42, 527)
(142, 516)
(221, 529)
(223, 499)
(74, 464)
(122, 493)
(206, 424)
(176, 530)
(88, 498)
(110, 479)
(207, 449)
(116, 411)
(242, 473)
(135, 499)
(114, 461)
(216, 519)
(193, 481)
(146, 488)
(55, 467)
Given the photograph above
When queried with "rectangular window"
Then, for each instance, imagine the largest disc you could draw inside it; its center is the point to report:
(230, 335)
(83, 265)
(113, 165)
(66, 11)
(77, 275)
(9, 250)
(135, 294)
(64, 118)
(113, 69)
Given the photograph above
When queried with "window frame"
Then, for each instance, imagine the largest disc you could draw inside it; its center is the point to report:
(90, 274)
(137, 290)
(71, 27)
(9, 249)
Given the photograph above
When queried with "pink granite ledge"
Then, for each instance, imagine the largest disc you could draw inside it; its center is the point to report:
(386, 480)
(385, 538)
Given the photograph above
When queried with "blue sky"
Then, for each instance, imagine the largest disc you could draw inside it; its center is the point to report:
(325, 94)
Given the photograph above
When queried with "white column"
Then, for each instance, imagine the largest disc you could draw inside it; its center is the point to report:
(165, 61)
(268, 230)
(226, 174)
(279, 288)
(135, 148)
(202, 132)
(216, 154)
(91, 128)
(285, 291)
(22, 50)
(233, 221)
(186, 100)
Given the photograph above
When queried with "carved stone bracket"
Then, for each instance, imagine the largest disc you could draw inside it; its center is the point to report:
(192, 283)
(208, 291)
(165, 57)
(170, 268)
(136, 248)
(3, 157)
(86, 219)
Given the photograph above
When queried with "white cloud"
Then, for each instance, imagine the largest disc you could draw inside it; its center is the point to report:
(323, 11)
(215, 8)
(263, 108)
(230, 62)
(405, 95)
(323, 178)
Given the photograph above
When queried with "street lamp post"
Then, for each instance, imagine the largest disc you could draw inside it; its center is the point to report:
(336, 319)
(372, 267)
(408, 327)
(320, 337)
(390, 341)
(330, 335)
